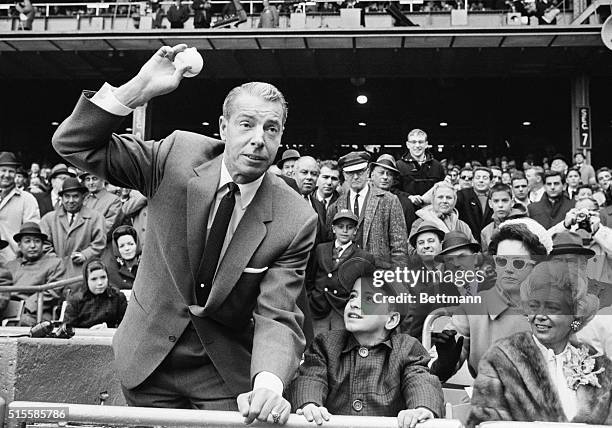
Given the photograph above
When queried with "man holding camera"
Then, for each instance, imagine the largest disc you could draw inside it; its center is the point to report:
(584, 219)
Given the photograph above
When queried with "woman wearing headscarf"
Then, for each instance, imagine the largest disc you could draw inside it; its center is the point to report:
(545, 374)
(123, 262)
(97, 304)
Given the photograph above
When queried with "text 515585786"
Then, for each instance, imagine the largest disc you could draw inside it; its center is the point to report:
(42, 413)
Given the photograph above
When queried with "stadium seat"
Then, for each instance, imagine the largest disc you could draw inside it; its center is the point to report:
(12, 313)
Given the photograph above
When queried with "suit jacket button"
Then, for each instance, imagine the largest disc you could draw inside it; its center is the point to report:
(329, 275)
(326, 289)
(335, 291)
(357, 405)
(202, 285)
(363, 352)
(172, 338)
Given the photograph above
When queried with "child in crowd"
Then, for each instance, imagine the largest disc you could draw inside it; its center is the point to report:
(501, 202)
(369, 369)
(326, 295)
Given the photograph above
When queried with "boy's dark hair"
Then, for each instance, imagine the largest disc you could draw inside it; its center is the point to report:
(584, 186)
(358, 267)
(500, 187)
(554, 174)
(517, 232)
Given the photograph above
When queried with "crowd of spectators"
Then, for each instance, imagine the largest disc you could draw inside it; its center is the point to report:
(509, 218)
(206, 14)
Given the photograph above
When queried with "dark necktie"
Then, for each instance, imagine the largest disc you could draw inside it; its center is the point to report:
(214, 243)
(356, 204)
(70, 219)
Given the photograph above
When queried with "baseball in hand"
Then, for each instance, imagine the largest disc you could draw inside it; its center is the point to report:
(192, 57)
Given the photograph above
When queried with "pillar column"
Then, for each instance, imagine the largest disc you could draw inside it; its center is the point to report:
(582, 133)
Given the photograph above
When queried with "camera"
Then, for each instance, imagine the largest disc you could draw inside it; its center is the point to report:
(583, 219)
(52, 329)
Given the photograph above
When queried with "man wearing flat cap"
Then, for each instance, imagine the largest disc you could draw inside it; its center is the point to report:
(32, 267)
(385, 176)
(381, 230)
(16, 205)
(76, 232)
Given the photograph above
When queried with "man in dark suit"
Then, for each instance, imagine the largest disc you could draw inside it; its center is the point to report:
(327, 184)
(473, 204)
(213, 312)
(553, 206)
(306, 173)
(50, 200)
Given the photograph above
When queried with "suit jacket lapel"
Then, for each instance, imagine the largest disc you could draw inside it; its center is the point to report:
(201, 190)
(248, 235)
(327, 261)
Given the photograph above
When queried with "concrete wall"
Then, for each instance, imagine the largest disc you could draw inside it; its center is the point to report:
(73, 370)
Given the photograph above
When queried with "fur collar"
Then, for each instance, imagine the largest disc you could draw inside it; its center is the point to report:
(593, 403)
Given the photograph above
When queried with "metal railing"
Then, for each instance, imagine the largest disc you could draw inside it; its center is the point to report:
(39, 290)
(117, 415)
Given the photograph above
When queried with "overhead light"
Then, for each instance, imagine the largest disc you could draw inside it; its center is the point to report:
(205, 123)
(443, 124)
(362, 124)
(393, 145)
(216, 134)
(526, 123)
(362, 99)
(440, 149)
(128, 129)
(482, 146)
(54, 123)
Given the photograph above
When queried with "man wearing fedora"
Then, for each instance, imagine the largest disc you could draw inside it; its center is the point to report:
(384, 176)
(381, 230)
(595, 240)
(6, 278)
(287, 161)
(427, 240)
(48, 201)
(101, 200)
(16, 205)
(32, 267)
(76, 232)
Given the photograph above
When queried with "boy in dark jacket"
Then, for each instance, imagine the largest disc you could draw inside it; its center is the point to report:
(327, 297)
(368, 369)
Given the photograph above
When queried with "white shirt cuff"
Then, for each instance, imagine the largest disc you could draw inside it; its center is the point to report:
(270, 381)
(106, 100)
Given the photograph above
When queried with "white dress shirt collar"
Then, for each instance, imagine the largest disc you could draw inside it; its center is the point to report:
(341, 248)
(555, 364)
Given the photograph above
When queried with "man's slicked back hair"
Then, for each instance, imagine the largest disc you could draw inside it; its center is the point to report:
(257, 89)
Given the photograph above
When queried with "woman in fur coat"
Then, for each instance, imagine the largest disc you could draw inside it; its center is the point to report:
(546, 375)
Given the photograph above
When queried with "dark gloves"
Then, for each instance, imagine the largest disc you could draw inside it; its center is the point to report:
(449, 353)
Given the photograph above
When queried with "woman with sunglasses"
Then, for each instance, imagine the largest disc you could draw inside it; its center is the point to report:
(545, 374)
(516, 247)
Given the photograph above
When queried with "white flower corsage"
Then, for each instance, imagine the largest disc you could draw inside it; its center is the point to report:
(579, 368)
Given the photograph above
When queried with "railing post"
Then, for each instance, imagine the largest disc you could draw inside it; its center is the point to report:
(39, 306)
(2, 411)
